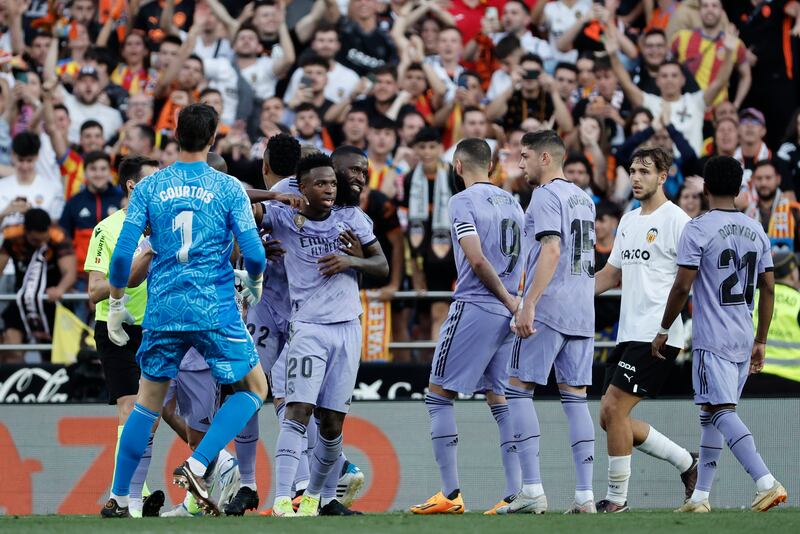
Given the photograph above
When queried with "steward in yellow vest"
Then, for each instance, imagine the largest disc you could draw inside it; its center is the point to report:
(783, 339)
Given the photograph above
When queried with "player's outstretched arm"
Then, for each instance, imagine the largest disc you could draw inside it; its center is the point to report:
(678, 296)
(471, 245)
(259, 195)
(766, 301)
(609, 277)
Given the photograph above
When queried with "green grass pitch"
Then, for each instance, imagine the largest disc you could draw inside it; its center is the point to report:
(728, 521)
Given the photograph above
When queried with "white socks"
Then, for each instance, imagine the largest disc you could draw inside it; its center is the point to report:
(699, 496)
(122, 500)
(532, 490)
(659, 446)
(197, 466)
(765, 483)
(619, 473)
(583, 496)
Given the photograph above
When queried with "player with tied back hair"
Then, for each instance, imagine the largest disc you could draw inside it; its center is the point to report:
(643, 259)
(555, 325)
(324, 345)
(475, 342)
(722, 256)
(193, 213)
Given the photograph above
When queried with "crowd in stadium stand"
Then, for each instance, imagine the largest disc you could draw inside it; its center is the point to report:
(85, 82)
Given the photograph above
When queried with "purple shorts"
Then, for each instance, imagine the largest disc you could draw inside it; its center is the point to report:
(473, 350)
(277, 375)
(197, 397)
(716, 380)
(269, 334)
(532, 358)
(322, 364)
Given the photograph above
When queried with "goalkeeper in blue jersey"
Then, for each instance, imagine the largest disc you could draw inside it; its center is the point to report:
(194, 214)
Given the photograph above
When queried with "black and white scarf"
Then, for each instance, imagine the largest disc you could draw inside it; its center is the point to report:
(419, 211)
(31, 297)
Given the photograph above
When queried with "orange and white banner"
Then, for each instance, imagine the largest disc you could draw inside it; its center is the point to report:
(376, 327)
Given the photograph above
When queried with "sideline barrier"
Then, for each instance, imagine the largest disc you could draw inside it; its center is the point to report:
(58, 459)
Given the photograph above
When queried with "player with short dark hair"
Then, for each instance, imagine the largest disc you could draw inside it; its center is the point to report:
(268, 320)
(474, 346)
(325, 323)
(121, 371)
(555, 324)
(643, 259)
(193, 213)
(722, 256)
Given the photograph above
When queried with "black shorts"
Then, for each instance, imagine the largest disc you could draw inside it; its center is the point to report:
(632, 368)
(13, 319)
(119, 363)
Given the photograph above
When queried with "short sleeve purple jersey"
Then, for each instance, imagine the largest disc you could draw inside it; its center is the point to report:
(276, 287)
(497, 219)
(316, 298)
(729, 250)
(563, 210)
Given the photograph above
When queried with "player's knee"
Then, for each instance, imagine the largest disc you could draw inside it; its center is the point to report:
(493, 398)
(330, 423)
(439, 390)
(299, 411)
(125, 407)
(609, 410)
(714, 408)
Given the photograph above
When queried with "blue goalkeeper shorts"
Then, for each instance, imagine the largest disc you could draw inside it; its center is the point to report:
(229, 352)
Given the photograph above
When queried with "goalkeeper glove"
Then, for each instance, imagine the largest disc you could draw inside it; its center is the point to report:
(118, 314)
(251, 287)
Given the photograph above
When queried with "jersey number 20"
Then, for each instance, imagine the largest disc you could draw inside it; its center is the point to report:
(183, 222)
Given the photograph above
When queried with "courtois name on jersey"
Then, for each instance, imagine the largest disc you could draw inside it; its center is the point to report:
(193, 212)
(564, 210)
(729, 250)
(316, 298)
(497, 219)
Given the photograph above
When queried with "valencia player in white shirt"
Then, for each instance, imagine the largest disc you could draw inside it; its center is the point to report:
(644, 260)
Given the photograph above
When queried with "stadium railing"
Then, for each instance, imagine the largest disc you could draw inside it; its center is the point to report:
(399, 295)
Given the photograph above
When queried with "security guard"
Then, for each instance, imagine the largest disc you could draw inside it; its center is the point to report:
(783, 340)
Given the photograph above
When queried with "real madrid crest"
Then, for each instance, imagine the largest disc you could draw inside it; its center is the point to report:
(299, 220)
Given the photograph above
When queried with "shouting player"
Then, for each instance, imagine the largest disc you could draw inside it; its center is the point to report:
(475, 342)
(119, 363)
(193, 213)
(325, 333)
(555, 325)
(722, 255)
(644, 260)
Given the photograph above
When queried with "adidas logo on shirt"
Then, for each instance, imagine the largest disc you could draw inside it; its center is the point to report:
(84, 212)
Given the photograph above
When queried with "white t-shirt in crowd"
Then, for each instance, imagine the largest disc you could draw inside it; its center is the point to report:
(108, 117)
(341, 82)
(646, 250)
(558, 18)
(42, 193)
(222, 76)
(261, 74)
(530, 44)
(500, 82)
(686, 115)
(219, 49)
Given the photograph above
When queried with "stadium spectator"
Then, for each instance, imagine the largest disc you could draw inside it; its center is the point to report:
(85, 105)
(788, 157)
(44, 262)
(99, 199)
(655, 50)
(26, 189)
(365, 45)
(777, 213)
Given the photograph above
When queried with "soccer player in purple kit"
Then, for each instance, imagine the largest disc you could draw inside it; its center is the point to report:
(475, 342)
(268, 320)
(325, 332)
(643, 260)
(555, 324)
(722, 255)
